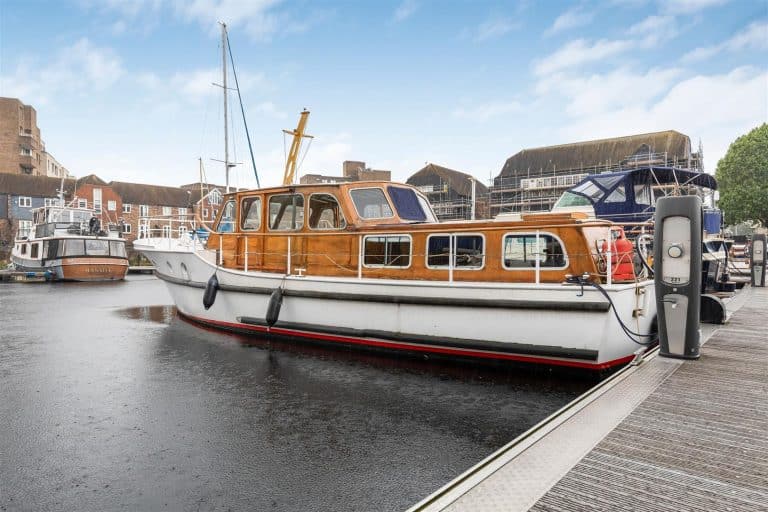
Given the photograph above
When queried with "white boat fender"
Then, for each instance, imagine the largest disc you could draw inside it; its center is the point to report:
(273, 309)
(211, 288)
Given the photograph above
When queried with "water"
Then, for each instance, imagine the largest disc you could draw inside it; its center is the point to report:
(111, 402)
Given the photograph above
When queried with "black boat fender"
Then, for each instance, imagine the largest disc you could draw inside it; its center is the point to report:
(273, 309)
(211, 288)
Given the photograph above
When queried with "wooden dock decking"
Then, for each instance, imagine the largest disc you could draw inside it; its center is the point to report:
(699, 442)
(670, 435)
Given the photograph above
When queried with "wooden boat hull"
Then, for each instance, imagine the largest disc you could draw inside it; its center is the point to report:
(551, 324)
(78, 268)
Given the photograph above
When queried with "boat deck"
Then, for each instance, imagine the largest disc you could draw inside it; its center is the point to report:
(664, 435)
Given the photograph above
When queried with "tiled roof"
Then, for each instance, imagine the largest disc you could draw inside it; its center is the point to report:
(140, 193)
(437, 175)
(34, 186)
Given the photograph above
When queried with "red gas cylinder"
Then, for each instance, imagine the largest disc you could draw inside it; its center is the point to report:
(621, 257)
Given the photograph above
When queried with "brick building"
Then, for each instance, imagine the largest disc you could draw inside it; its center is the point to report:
(352, 170)
(22, 151)
(140, 200)
(19, 195)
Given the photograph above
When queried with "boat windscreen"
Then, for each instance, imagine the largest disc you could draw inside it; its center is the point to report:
(407, 204)
(569, 199)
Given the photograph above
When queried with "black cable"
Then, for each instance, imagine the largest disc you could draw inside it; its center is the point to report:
(630, 334)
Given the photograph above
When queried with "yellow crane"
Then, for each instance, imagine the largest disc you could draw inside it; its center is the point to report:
(293, 155)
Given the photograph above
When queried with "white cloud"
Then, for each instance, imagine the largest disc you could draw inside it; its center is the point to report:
(688, 6)
(647, 33)
(487, 111)
(686, 106)
(755, 36)
(78, 69)
(494, 28)
(580, 51)
(196, 85)
(405, 10)
(572, 18)
(270, 109)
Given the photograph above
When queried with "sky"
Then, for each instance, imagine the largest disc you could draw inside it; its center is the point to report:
(124, 88)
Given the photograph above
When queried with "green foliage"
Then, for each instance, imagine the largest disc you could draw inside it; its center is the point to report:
(742, 178)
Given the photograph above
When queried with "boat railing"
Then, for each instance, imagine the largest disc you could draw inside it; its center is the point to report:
(295, 259)
(181, 230)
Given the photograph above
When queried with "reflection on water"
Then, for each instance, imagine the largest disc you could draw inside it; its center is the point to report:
(159, 314)
(114, 404)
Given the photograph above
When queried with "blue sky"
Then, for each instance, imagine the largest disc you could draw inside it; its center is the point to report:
(123, 88)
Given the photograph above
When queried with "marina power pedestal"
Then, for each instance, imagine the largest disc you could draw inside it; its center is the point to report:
(677, 269)
(757, 260)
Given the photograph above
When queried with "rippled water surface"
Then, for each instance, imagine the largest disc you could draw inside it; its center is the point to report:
(110, 402)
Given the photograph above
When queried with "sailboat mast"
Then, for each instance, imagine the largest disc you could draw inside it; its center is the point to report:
(224, 82)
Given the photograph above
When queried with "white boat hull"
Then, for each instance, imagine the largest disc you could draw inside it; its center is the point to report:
(553, 324)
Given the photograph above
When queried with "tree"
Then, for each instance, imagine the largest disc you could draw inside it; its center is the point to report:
(742, 178)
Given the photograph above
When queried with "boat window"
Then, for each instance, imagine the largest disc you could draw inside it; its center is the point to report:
(74, 247)
(227, 221)
(608, 181)
(642, 194)
(521, 251)
(468, 251)
(34, 251)
(251, 214)
(570, 199)
(617, 196)
(371, 203)
(325, 212)
(406, 203)
(589, 189)
(427, 208)
(286, 212)
(117, 248)
(97, 248)
(387, 251)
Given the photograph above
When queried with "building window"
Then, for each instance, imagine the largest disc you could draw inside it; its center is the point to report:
(25, 202)
(205, 213)
(82, 203)
(468, 251)
(143, 210)
(521, 251)
(167, 211)
(214, 197)
(182, 231)
(182, 213)
(25, 151)
(51, 201)
(126, 208)
(111, 206)
(387, 251)
(126, 228)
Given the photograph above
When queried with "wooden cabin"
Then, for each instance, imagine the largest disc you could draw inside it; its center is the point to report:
(388, 230)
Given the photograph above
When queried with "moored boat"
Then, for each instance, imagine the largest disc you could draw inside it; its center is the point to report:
(367, 264)
(69, 244)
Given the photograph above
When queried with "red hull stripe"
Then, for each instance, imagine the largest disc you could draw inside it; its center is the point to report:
(413, 347)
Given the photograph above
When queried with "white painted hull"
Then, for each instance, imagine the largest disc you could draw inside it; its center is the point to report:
(548, 323)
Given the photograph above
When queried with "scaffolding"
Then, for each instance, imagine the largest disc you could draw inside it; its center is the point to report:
(537, 190)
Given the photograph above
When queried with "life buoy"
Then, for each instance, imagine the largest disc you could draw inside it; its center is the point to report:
(622, 266)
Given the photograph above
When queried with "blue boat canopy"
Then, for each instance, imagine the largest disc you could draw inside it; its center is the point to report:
(627, 196)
